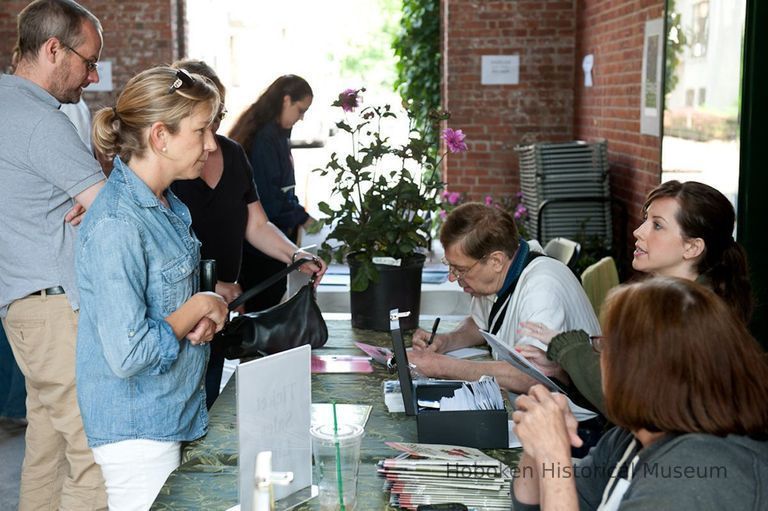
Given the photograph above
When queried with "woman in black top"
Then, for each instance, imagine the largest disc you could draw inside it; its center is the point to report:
(226, 209)
(264, 130)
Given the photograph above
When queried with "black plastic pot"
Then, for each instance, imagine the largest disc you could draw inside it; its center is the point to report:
(398, 287)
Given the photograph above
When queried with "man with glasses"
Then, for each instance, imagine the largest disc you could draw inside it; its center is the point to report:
(509, 284)
(48, 178)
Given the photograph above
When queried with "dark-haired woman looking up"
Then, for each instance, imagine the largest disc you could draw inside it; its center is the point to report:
(686, 233)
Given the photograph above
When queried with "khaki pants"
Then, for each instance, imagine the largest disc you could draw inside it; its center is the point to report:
(58, 471)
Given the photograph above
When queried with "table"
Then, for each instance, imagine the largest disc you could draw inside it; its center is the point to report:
(208, 476)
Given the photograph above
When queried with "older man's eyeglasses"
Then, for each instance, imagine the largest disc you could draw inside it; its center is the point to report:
(90, 64)
(183, 80)
(596, 341)
(460, 273)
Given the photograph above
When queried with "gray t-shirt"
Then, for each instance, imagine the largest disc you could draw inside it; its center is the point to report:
(43, 165)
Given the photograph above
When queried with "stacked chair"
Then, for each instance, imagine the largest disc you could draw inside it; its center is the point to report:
(566, 190)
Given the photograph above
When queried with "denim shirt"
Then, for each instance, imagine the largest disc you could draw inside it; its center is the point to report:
(137, 262)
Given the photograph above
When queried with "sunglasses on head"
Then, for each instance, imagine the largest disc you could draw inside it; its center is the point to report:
(183, 80)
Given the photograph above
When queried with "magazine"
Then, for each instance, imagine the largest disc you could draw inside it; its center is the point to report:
(435, 474)
(503, 352)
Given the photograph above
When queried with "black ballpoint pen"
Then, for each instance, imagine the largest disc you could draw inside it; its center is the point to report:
(434, 331)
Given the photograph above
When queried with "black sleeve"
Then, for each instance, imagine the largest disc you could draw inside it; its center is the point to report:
(236, 159)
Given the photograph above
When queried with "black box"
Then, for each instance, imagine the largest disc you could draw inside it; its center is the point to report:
(486, 429)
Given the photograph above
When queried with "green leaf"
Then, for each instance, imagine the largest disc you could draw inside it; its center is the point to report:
(325, 208)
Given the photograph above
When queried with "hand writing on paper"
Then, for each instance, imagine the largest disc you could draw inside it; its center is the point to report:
(420, 341)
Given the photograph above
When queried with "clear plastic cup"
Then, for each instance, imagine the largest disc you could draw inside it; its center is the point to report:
(327, 448)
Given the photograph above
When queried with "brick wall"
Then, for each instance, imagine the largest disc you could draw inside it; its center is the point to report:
(138, 34)
(495, 118)
(613, 31)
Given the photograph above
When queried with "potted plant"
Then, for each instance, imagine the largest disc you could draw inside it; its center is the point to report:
(386, 194)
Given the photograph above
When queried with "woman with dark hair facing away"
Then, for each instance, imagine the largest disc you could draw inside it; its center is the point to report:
(225, 208)
(686, 233)
(685, 384)
(144, 328)
(264, 131)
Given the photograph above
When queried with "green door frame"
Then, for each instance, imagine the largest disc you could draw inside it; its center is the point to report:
(753, 172)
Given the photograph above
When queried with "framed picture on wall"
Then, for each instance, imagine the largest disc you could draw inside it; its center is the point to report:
(651, 99)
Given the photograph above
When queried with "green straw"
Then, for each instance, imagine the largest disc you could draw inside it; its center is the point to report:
(338, 458)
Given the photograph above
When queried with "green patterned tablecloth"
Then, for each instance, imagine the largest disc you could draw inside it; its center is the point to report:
(208, 476)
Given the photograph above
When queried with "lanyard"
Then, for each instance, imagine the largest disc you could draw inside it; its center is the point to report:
(498, 311)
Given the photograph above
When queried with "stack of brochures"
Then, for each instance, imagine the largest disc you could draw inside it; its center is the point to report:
(483, 394)
(438, 474)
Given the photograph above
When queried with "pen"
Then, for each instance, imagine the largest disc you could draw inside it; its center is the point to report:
(434, 331)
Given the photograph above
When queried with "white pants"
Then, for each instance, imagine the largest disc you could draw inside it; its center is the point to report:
(135, 471)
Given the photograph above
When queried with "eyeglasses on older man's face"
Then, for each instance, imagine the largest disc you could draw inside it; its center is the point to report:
(458, 272)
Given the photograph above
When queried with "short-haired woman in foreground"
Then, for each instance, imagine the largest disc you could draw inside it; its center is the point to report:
(686, 385)
(143, 332)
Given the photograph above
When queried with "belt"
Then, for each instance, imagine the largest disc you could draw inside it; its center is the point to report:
(57, 290)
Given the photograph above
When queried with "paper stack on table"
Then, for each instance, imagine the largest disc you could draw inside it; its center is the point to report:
(483, 394)
(436, 474)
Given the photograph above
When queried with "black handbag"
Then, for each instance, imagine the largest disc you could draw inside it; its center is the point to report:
(295, 322)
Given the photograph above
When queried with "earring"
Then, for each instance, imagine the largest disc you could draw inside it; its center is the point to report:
(165, 149)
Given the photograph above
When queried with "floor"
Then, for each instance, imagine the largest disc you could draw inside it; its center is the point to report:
(11, 454)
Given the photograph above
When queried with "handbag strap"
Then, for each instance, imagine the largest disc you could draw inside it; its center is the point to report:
(267, 283)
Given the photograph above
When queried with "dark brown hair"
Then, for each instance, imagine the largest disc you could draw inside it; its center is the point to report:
(676, 360)
(268, 108)
(43, 19)
(707, 214)
(480, 230)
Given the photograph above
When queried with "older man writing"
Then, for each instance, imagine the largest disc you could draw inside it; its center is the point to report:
(509, 284)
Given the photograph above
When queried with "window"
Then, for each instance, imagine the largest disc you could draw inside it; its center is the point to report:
(700, 29)
(702, 96)
(690, 94)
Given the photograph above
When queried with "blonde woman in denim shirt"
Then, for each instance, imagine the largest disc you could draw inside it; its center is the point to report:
(144, 328)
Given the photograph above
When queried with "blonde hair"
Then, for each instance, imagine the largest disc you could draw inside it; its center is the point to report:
(147, 98)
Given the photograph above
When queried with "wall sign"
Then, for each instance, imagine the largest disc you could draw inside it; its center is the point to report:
(500, 70)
